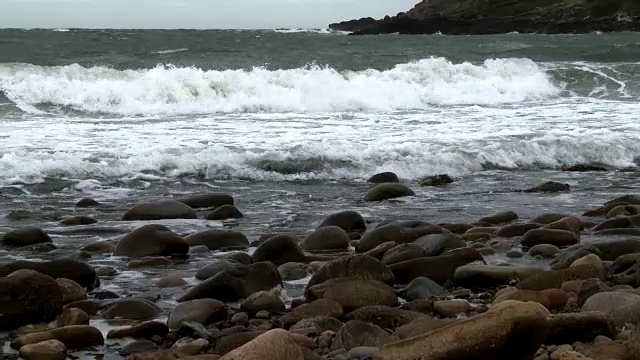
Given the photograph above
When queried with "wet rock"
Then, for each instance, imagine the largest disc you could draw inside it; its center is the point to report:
(623, 210)
(549, 187)
(293, 271)
(239, 257)
(70, 290)
(544, 250)
(171, 281)
(349, 221)
(25, 237)
(196, 330)
(486, 276)
(28, 297)
(140, 346)
(91, 307)
(234, 341)
(451, 308)
(214, 268)
(192, 347)
(402, 252)
(72, 316)
(553, 279)
(208, 201)
(326, 238)
(317, 308)
(217, 239)
(560, 238)
(569, 223)
(437, 268)
(78, 220)
(320, 323)
(279, 250)
(106, 271)
(514, 230)
(132, 309)
(436, 180)
(151, 240)
(87, 202)
(614, 223)
(145, 330)
(357, 333)
(75, 337)
(422, 288)
(399, 232)
(262, 300)
(352, 266)
(511, 332)
(149, 261)
(387, 191)
(584, 327)
(584, 167)
(437, 244)
(548, 218)
(490, 230)
(421, 326)
(620, 307)
(456, 228)
(606, 250)
(384, 316)
(225, 212)
(44, 350)
(356, 293)
(158, 210)
(203, 311)
(274, 344)
(101, 247)
(626, 270)
(502, 217)
(384, 177)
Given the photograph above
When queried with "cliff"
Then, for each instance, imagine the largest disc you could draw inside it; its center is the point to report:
(503, 16)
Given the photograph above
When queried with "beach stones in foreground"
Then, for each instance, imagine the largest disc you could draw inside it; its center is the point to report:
(387, 191)
(158, 210)
(274, 344)
(399, 232)
(76, 337)
(560, 238)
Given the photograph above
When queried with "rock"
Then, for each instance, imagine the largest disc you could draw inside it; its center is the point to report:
(149, 261)
(614, 223)
(75, 337)
(400, 232)
(25, 237)
(437, 244)
(549, 218)
(101, 247)
(354, 294)
(606, 250)
(151, 240)
(78, 220)
(91, 307)
(384, 316)
(584, 167)
(456, 228)
(352, 266)
(214, 268)
(623, 210)
(573, 327)
(402, 252)
(72, 316)
(170, 281)
(386, 191)
(139, 346)
(208, 201)
(145, 330)
(217, 239)
(239, 257)
(157, 210)
(274, 344)
(28, 297)
(262, 300)
(317, 308)
(320, 324)
(437, 268)
(237, 283)
(620, 307)
(225, 212)
(279, 250)
(349, 221)
(590, 260)
(558, 238)
(293, 271)
(490, 230)
(87, 202)
(569, 223)
(106, 271)
(326, 238)
(502, 217)
(514, 230)
(436, 180)
(510, 332)
(451, 308)
(553, 279)
(384, 177)
(549, 187)
(131, 308)
(422, 288)
(44, 350)
(202, 311)
(70, 290)
(193, 347)
(357, 333)
(626, 270)
(544, 250)
(421, 326)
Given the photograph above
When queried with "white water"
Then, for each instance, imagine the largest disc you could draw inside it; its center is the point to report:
(416, 119)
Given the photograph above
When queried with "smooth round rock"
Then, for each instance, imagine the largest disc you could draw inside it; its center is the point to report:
(158, 210)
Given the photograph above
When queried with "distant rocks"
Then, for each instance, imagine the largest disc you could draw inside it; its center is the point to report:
(385, 177)
(436, 180)
(165, 209)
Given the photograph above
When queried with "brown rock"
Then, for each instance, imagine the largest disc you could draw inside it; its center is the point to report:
(621, 307)
(274, 344)
(145, 330)
(357, 333)
(72, 316)
(386, 191)
(451, 308)
(569, 223)
(165, 209)
(151, 261)
(437, 268)
(320, 307)
(356, 293)
(71, 291)
(400, 232)
(171, 280)
(384, 316)
(25, 237)
(421, 326)
(326, 238)
(349, 221)
(151, 240)
(499, 218)
(225, 212)
(76, 337)
(583, 327)
(217, 239)
(203, 311)
(44, 350)
(131, 309)
(545, 250)
(558, 238)
(208, 200)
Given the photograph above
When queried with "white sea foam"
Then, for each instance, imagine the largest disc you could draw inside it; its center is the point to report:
(170, 51)
(172, 90)
(315, 31)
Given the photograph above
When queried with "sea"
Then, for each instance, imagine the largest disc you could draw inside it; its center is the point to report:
(292, 123)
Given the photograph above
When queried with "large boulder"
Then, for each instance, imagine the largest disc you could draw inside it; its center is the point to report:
(203, 311)
(25, 237)
(502, 217)
(486, 276)
(621, 307)
(402, 252)
(510, 332)
(437, 244)
(76, 337)
(606, 250)
(80, 272)
(352, 294)
(158, 210)
(317, 308)
(44, 350)
(437, 268)
(225, 212)
(349, 221)
(208, 200)
(384, 177)
(28, 297)
(326, 238)
(280, 249)
(399, 232)
(131, 309)
(553, 279)
(357, 333)
(584, 327)
(274, 344)
(151, 240)
(560, 238)
(217, 239)
(386, 191)
(216, 267)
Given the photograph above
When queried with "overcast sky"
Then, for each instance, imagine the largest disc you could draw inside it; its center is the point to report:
(217, 14)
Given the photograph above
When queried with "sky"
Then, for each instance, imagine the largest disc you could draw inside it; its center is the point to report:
(198, 14)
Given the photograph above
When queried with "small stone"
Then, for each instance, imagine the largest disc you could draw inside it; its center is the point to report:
(171, 281)
(451, 308)
(240, 318)
(262, 314)
(87, 202)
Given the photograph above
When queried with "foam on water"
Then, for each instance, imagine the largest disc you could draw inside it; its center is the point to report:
(174, 90)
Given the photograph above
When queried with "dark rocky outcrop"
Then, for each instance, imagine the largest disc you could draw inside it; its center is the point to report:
(504, 16)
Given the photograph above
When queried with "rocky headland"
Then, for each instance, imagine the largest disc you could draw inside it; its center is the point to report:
(459, 17)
